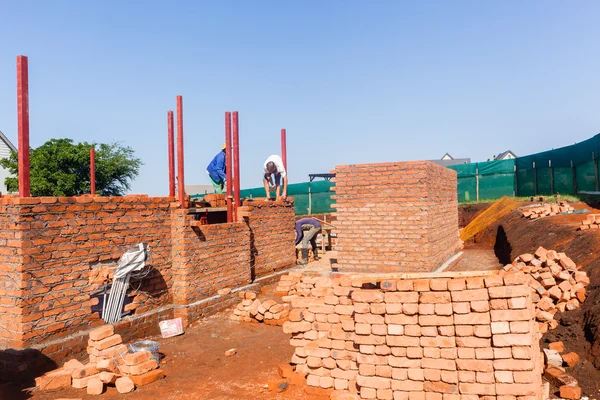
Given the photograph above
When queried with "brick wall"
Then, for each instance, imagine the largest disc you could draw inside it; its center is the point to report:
(395, 216)
(419, 337)
(207, 258)
(54, 252)
(272, 235)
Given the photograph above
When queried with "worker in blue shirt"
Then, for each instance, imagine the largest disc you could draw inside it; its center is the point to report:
(306, 231)
(217, 171)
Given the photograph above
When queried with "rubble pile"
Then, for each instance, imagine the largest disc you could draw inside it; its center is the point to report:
(110, 364)
(554, 371)
(254, 310)
(558, 283)
(547, 210)
(592, 221)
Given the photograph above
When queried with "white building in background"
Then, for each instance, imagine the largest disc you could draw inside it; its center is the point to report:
(5, 147)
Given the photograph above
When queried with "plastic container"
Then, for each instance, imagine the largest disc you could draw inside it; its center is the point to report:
(146, 345)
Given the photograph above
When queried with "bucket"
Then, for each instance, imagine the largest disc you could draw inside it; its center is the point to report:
(146, 345)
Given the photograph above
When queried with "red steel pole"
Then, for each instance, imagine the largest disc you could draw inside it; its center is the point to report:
(92, 171)
(228, 169)
(180, 172)
(171, 146)
(284, 150)
(236, 163)
(23, 125)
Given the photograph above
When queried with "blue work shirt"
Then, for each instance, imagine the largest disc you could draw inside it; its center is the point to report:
(305, 221)
(216, 168)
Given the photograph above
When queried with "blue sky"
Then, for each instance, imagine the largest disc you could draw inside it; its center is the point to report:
(351, 81)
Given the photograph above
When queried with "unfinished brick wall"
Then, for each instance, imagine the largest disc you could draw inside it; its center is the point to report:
(207, 258)
(62, 242)
(53, 250)
(272, 227)
(419, 338)
(395, 216)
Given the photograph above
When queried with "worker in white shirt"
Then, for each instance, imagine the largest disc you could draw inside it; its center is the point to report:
(274, 172)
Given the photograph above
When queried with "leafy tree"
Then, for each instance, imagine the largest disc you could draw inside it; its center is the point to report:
(60, 167)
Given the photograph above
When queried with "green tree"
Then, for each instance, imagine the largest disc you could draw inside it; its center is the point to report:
(60, 167)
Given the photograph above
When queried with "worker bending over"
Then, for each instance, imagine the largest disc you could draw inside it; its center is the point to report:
(306, 231)
(274, 170)
(217, 171)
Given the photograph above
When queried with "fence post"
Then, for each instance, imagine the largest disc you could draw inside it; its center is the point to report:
(551, 176)
(477, 184)
(535, 178)
(574, 177)
(516, 191)
(309, 202)
(595, 170)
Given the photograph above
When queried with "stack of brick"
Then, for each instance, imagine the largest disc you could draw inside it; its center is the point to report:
(548, 210)
(420, 339)
(395, 217)
(252, 309)
(557, 281)
(104, 344)
(216, 200)
(591, 221)
(110, 364)
(141, 368)
(322, 328)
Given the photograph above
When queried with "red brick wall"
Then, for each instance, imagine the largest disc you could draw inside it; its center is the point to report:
(395, 216)
(62, 240)
(207, 258)
(272, 235)
(52, 249)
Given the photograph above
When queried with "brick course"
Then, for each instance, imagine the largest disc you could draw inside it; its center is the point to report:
(395, 216)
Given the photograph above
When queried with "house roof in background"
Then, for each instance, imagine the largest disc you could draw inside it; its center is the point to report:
(8, 142)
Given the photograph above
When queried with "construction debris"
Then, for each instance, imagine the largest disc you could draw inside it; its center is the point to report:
(548, 210)
(253, 310)
(555, 374)
(556, 279)
(592, 221)
(111, 364)
(230, 352)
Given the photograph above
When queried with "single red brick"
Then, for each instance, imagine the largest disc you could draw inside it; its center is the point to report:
(570, 392)
(571, 359)
(124, 385)
(53, 380)
(148, 377)
(137, 358)
(102, 332)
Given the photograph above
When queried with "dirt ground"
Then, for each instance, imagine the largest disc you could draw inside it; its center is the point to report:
(580, 329)
(196, 366)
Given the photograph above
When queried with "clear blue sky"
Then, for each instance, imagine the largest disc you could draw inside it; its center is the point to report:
(352, 81)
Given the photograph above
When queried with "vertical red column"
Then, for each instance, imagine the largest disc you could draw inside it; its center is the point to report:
(23, 125)
(236, 164)
(228, 165)
(92, 171)
(180, 172)
(171, 146)
(284, 150)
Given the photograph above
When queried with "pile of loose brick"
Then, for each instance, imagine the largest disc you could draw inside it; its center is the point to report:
(556, 374)
(591, 221)
(296, 284)
(558, 283)
(252, 309)
(110, 363)
(439, 338)
(547, 210)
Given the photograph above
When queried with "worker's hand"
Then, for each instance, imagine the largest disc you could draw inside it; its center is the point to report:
(283, 197)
